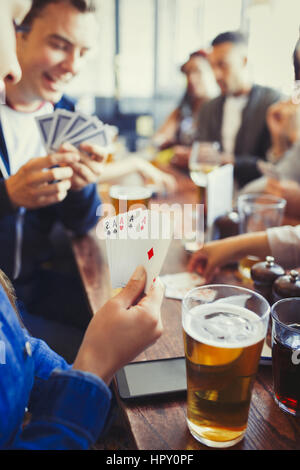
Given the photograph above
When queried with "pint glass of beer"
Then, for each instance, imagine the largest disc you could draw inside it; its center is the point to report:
(224, 328)
(125, 198)
(286, 354)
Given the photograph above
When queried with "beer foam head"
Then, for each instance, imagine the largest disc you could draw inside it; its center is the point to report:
(224, 325)
(130, 193)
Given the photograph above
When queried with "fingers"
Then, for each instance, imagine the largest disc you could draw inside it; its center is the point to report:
(95, 152)
(55, 174)
(54, 189)
(49, 194)
(84, 172)
(198, 260)
(135, 287)
(41, 163)
(155, 295)
(67, 147)
(98, 154)
(152, 303)
(209, 272)
(204, 266)
(90, 166)
(45, 201)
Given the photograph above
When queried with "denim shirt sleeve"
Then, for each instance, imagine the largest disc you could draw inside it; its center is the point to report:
(70, 414)
(45, 361)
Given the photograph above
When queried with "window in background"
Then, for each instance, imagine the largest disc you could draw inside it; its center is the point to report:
(151, 51)
(220, 17)
(179, 33)
(185, 26)
(97, 78)
(136, 60)
(274, 30)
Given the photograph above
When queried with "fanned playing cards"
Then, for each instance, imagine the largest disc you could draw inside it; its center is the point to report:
(136, 238)
(63, 126)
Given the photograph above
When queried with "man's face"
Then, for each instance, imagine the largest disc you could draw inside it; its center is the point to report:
(53, 52)
(228, 62)
(11, 10)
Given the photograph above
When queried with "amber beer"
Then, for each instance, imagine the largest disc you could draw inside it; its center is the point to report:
(125, 198)
(223, 343)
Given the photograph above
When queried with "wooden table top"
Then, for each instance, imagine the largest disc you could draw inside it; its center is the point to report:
(160, 424)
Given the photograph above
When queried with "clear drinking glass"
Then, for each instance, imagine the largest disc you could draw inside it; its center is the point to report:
(258, 212)
(286, 354)
(224, 329)
(205, 157)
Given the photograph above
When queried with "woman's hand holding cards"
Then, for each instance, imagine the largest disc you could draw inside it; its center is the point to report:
(122, 328)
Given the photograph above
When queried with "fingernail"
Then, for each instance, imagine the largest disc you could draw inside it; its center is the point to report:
(138, 274)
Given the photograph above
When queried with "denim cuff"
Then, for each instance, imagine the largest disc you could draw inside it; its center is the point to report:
(78, 400)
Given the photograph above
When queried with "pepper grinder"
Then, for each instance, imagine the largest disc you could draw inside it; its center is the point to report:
(226, 225)
(264, 274)
(287, 286)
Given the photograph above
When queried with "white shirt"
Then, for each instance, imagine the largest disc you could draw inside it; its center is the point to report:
(22, 136)
(232, 119)
(285, 245)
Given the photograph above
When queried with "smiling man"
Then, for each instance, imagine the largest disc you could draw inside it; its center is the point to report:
(61, 34)
(37, 191)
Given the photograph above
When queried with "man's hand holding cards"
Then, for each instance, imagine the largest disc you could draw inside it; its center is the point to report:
(66, 131)
(136, 238)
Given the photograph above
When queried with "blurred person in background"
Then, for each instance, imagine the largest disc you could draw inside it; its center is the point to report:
(237, 118)
(179, 129)
(283, 120)
(283, 243)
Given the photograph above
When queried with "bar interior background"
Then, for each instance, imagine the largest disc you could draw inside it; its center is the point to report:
(135, 71)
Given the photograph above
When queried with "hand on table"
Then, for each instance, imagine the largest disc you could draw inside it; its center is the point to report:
(122, 329)
(88, 169)
(218, 253)
(207, 260)
(30, 187)
(162, 180)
